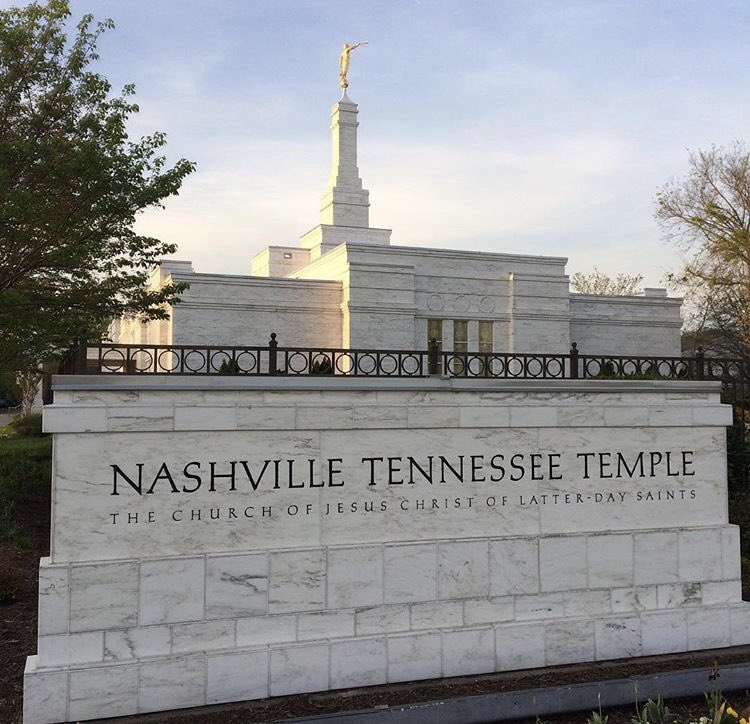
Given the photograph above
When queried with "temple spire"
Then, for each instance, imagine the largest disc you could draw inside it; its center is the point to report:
(345, 202)
(345, 206)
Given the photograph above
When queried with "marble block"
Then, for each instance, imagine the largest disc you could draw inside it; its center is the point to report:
(412, 657)
(358, 663)
(236, 585)
(237, 676)
(468, 652)
(103, 596)
(172, 590)
(297, 581)
(298, 669)
(463, 570)
(410, 573)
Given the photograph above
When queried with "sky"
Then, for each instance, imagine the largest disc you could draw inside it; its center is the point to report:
(522, 126)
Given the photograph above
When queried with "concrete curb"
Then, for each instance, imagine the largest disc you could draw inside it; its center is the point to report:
(548, 701)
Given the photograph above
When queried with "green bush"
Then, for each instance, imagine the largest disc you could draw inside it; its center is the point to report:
(29, 426)
(229, 367)
(322, 366)
(25, 477)
(25, 469)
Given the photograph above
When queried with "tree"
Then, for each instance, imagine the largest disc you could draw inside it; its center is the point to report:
(72, 183)
(707, 215)
(597, 282)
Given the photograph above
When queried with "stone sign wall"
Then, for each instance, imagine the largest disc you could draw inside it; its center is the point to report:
(222, 539)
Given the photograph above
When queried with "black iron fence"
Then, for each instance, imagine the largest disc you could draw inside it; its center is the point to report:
(106, 358)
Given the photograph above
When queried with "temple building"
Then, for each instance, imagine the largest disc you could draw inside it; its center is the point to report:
(346, 285)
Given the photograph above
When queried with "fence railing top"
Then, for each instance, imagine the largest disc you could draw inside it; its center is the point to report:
(102, 357)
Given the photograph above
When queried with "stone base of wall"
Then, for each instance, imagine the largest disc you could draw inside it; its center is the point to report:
(59, 694)
(127, 637)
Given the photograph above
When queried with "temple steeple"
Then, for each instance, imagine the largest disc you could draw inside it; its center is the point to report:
(345, 202)
(345, 205)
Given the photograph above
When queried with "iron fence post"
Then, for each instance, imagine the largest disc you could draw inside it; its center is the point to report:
(433, 358)
(82, 351)
(272, 351)
(574, 361)
(700, 362)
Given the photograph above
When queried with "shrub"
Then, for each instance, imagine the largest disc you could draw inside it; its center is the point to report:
(25, 469)
(322, 366)
(653, 712)
(23, 426)
(229, 367)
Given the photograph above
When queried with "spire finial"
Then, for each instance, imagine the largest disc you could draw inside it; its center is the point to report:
(344, 62)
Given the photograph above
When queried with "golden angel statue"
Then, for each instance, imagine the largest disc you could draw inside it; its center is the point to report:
(344, 62)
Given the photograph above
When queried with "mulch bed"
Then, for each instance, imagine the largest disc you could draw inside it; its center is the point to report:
(18, 639)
